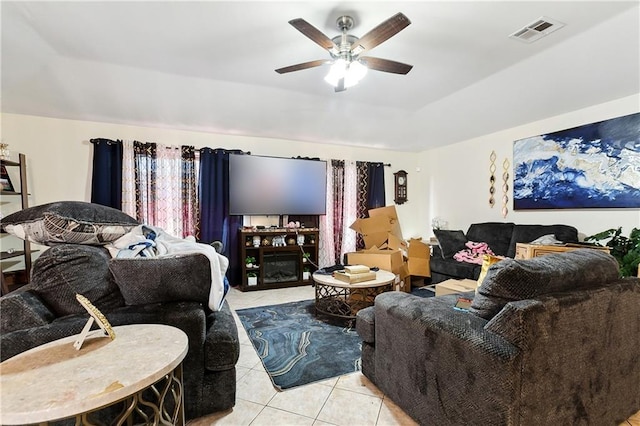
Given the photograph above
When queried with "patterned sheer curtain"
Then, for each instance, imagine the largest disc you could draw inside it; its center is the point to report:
(326, 247)
(350, 207)
(336, 238)
(337, 170)
(160, 186)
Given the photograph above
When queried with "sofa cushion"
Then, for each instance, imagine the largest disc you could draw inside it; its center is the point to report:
(453, 268)
(167, 278)
(511, 279)
(66, 269)
(74, 222)
(23, 309)
(496, 234)
(528, 233)
(450, 242)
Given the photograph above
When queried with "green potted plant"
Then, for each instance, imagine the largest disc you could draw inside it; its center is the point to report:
(306, 256)
(626, 250)
(252, 278)
(250, 261)
(306, 273)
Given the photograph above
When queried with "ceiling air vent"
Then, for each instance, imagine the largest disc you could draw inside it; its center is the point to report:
(541, 27)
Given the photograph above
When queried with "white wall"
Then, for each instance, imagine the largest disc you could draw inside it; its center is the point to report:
(59, 156)
(450, 182)
(457, 177)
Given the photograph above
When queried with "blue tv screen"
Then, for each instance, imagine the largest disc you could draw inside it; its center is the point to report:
(276, 186)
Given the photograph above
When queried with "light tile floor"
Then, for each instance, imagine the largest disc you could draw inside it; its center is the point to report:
(349, 400)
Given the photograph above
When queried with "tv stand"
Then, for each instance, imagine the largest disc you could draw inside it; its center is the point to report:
(280, 257)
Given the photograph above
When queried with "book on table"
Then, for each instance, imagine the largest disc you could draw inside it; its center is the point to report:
(355, 274)
(356, 269)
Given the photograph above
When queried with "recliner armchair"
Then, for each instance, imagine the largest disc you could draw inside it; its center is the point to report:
(550, 340)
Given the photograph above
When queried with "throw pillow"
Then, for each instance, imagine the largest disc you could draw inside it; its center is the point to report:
(66, 269)
(74, 222)
(512, 279)
(450, 242)
(487, 260)
(167, 278)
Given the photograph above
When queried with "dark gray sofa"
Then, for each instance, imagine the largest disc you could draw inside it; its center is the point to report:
(169, 289)
(548, 341)
(501, 239)
(46, 310)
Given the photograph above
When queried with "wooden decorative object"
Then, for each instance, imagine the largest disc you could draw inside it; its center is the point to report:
(400, 178)
(505, 186)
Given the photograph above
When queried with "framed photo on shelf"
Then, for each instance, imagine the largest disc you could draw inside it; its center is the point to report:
(5, 181)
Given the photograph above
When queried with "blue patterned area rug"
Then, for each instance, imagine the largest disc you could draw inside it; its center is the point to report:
(297, 348)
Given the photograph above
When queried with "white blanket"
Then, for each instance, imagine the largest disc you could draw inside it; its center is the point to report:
(149, 241)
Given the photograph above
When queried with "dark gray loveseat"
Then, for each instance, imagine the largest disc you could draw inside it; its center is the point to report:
(170, 289)
(549, 341)
(501, 239)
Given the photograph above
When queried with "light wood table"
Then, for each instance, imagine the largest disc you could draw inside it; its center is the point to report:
(527, 251)
(55, 381)
(343, 300)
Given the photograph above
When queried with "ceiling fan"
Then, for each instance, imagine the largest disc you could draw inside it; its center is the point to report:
(347, 65)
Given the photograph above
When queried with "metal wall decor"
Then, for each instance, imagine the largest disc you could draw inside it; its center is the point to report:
(505, 187)
(492, 179)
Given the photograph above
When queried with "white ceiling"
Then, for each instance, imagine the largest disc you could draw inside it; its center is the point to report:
(209, 66)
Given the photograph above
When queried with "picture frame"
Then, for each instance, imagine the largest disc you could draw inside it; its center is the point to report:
(596, 165)
(5, 180)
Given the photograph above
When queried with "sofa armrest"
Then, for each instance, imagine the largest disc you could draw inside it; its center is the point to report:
(221, 345)
(22, 310)
(366, 324)
(459, 361)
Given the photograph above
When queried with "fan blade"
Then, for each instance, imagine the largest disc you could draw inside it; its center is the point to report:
(381, 33)
(302, 66)
(314, 34)
(386, 65)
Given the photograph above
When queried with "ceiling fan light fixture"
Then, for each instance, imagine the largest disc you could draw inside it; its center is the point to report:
(355, 73)
(337, 71)
(352, 73)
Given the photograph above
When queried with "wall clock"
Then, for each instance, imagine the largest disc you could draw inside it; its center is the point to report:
(400, 178)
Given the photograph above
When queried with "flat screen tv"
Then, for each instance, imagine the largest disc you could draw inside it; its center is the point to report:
(276, 186)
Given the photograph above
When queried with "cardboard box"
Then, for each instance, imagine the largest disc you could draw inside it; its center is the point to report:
(375, 229)
(384, 248)
(387, 260)
(455, 286)
(418, 258)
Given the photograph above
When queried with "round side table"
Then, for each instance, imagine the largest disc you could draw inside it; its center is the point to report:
(55, 381)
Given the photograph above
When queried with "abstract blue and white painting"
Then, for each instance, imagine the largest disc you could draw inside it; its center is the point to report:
(592, 166)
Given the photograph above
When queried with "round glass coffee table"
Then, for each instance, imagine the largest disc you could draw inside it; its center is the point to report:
(343, 300)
